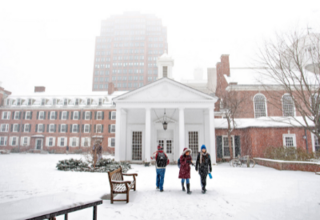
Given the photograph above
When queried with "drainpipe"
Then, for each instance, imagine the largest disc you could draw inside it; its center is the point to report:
(305, 134)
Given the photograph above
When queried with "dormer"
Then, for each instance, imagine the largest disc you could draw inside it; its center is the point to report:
(165, 64)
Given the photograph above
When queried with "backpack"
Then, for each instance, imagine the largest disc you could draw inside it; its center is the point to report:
(179, 164)
(161, 160)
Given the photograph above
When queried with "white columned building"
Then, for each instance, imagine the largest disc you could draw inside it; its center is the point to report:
(142, 113)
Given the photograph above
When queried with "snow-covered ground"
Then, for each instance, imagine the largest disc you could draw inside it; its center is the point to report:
(233, 193)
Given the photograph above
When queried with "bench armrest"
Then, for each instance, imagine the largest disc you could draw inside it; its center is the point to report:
(129, 174)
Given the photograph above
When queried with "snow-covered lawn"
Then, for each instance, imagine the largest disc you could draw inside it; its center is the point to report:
(233, 193)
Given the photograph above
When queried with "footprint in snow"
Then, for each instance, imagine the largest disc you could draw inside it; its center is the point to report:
(118, 212)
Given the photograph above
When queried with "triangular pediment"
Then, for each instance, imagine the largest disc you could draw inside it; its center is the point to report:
(165, 90)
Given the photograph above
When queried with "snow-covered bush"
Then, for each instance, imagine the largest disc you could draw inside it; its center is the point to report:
(288, 153)
(104, 165)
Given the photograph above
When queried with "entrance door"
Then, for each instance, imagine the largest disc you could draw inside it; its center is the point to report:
(167, 147)
(194, 144)
(137, 145)
(39, 144)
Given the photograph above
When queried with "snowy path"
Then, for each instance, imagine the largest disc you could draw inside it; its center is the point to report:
(233, 193)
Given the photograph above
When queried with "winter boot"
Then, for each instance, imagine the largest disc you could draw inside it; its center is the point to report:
(188, 188)
(183, 189)
(203, 190)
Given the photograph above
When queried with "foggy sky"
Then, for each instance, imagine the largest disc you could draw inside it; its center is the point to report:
(51, 43)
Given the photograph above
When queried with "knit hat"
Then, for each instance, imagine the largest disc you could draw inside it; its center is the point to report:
(160, 148)
(203, 147)
(185, 150)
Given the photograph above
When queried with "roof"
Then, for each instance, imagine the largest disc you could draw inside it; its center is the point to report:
(263, 122)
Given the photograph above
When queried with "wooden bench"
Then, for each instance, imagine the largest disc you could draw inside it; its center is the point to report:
(119, 186)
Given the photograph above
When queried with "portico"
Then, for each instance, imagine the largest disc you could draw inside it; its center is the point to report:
(140, 116)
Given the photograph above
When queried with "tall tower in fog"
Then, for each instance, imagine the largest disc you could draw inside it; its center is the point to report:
(126, 51)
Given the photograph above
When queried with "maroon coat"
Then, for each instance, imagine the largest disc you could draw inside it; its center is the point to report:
(184, 172)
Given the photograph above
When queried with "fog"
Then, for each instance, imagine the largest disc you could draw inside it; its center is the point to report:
(51, 43)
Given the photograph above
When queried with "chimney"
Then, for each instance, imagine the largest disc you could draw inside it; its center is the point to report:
(211, 79)
(39, 89)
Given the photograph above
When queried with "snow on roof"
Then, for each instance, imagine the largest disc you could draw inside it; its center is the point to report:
(263, 122)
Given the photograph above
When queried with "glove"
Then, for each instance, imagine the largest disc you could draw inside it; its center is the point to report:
(189, 162)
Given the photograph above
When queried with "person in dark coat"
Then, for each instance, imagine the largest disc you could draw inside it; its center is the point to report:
(184, 173)
(203, 164)
(99, 152)
(162, 161)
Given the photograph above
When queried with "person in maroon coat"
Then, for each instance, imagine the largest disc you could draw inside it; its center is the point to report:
(184, 173)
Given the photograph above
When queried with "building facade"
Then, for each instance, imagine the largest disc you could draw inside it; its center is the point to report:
(126, 51)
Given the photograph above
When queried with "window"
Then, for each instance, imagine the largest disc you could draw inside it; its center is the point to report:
(28, 115)
(74, 142)
(40, 128)
(287, 105)
(86, 128)
(136, 145)
(65, 102)
(6, 115)
(99, 116)
(76, 102)
(43, 101)
(24, 141)
(112, 129)
(53, 115)
(29, 101)
(289, 140)
(75, 128)
(41, 115)
(165, 71)
(16, 115)
(64, 115)
(88, 101)
(85, 142)
(50, 141)
(3, 141)
(62, 141)
(316, 144)
(259, 101)
(18, 101)
(27, 128)
(14, 141)
(169, 146)
(15, 128)
(98, 128)
(76, 115)
(52, 128)
(4, 127)
(100, 101)
(113, 115)
(225, 146)
(315, 102)
(63, 128)
(87, 115)
(193, 143)
(54, 101)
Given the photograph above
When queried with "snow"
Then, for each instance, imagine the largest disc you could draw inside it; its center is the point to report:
(262, 122)
(233, 193)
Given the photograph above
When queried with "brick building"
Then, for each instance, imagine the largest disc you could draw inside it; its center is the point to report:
(258, 123)
(126, 51)
(50, 122)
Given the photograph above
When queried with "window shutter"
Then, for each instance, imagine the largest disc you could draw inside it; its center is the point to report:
(103, 115)
(77, 142)
(66, 128)
(109, 128)
(101, 128)
(237, 146)
(48, 128)
(109, 115)
(89, 128)
(83, 114)
(45, 113)
(219, 146)
(55, 114)
(18, 127)
(72, 115)
(60, 115)
(19, 115)
(79, 115)
(36, 127)
(44, 128)
(30, 128)
(22, 128)
(37, 115)
(90, 115)
(67, 114)
(59, 142)
(94, 128)
(109, 142)
(31, 115)
(47, 141)
(59, 128)
(9, 113)
(95, 115)
(11, 128)
(13, 115)
(24, 115)
(82, 128)
(89, 142)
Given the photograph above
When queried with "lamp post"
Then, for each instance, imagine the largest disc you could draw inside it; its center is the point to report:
(165, 123)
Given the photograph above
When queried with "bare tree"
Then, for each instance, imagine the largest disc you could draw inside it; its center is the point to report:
(292, 64)
(231, 107)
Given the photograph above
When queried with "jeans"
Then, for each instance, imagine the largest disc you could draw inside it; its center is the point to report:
(187, 180)
(203, 180)
(160, 178)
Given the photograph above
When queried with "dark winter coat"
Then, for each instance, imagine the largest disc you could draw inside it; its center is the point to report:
(204, 166)
(185, 162)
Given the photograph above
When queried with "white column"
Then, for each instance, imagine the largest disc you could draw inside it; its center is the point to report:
(181, 131)
(212, 137)
(147, 136)
(118, 134)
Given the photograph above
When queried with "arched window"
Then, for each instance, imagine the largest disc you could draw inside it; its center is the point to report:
(287, 105)
(260, 109)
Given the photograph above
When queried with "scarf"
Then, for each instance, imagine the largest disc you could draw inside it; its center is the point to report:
(201, 156)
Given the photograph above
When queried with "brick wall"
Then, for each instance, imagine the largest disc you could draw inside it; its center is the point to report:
(34, 121)
(289, 165)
